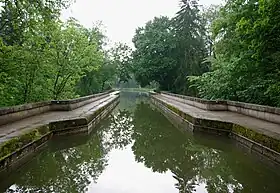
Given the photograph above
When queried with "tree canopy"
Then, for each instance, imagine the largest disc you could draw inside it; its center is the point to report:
(246, 66)
(229, 51)
(43, 58)
(169, 50)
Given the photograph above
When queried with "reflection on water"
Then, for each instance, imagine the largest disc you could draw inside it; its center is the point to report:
(137, 149)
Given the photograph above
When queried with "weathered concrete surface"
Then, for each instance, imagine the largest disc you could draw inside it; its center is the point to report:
(16, 128)
(259, 135)
(26, 136)
(265, 127)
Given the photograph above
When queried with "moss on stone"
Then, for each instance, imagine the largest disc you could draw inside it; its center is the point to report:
(17, 143)
(214, 124)
(248, 133)
(62, 124)
(265, 140)
(180, 113)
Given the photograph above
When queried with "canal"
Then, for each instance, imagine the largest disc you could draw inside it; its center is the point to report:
(137, 150)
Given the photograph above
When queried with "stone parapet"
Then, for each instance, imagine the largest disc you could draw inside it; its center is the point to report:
(15, 113)
(267, 113)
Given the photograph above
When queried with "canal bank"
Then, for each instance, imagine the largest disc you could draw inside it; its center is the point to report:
(136, 149)
(254, 126)
(28, 127)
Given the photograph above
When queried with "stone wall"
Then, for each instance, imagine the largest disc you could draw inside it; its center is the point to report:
(15, 113)
(266, 113)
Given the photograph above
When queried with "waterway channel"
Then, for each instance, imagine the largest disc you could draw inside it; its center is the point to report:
(137, 150)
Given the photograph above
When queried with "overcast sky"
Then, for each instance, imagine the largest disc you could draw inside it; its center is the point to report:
(122, 17)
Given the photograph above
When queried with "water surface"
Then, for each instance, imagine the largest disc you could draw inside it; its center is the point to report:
(137, 150)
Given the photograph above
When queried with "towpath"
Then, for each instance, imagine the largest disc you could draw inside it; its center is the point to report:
(264, 127)
(16, 128)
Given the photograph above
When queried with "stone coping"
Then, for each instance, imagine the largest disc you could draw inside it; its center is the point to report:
(80, 99)
(200, 100)
(18, 108)
(256, 107)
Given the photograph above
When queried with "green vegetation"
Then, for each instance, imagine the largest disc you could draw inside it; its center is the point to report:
(220, 52)
(169, 50)
(229, 52)
(43, 58)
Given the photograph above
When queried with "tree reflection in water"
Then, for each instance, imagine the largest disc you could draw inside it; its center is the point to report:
(62, 170)
(162, 148)
(70, 164)
(117, 134)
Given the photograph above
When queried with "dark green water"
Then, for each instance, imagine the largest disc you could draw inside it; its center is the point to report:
(137, 150)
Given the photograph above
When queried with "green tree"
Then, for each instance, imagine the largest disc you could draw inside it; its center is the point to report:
(170, 50)
(246, 67)
(72, 54)
(121, 55)
(49, 57)
(154, 58)
(191, 32)
(17, 16)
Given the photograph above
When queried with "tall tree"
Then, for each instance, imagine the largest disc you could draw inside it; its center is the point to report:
(49, 57)
(73, 55)
(121, 55)
(190, 30)
(154, 58)
(18, 15)
(170, 50)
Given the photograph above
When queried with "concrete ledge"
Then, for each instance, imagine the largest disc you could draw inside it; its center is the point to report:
(267, 146)
(82, 124)
(68, 105)
(196, 124)
(14, 150)
(15, 113)
(19, 154)
(267, 113)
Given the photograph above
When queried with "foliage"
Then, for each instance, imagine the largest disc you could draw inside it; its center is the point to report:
(246, 68)
(47, 65)
(169, 50)
(122, 58)
(237, 42)
(43, 58)
(17, 16)
(155, 51)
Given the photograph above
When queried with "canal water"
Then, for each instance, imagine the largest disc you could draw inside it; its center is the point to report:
(137, 150)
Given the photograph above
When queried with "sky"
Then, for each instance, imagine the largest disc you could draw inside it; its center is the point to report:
(122, 17)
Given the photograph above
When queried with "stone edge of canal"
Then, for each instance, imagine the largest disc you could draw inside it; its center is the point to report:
(186, 121)
(42, 134)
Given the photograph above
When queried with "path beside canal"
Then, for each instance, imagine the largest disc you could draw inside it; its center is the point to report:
(261, 126)
(17, 128)
(240, 121)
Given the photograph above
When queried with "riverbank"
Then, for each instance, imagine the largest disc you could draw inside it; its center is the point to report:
(260, 136)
